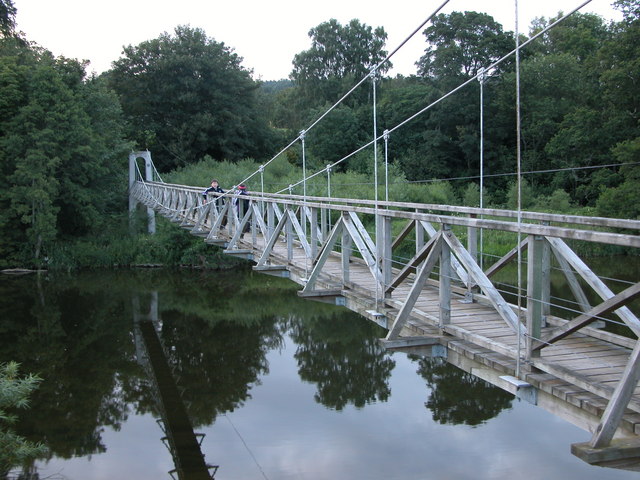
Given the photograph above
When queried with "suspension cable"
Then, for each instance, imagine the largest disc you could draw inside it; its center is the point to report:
(519, 184)
(454, 90)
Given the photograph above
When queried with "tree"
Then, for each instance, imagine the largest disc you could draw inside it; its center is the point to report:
(7, 18)
(580, 35)
(14, 393)
(623, 201)
(629, 8)
(460, 44)
(338, 135)
(342, 356)
(339, 57)
(444, 141)
(187, 96)
(60, 139)
(620, 70)
(458, 397)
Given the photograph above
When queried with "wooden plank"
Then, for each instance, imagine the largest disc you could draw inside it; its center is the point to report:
(406, 230)
(501, 306)
(581, 381)
(363, 233)
(302, 238)
(499, 265)
(272, 241)
(481, 341)
(535, 216)
(609, 337)
(594, 282)
(361, 244)
(586, 318)
(445, 281)
(324, 255)
(572, 281)
(407, 306)
(411, 266)
(621, 398)
(459, 269)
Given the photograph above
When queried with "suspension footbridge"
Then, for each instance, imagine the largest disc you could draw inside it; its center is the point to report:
(418, 270)
(443, 299)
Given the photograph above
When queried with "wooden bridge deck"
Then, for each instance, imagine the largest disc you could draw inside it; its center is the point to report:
(585, 375)
(579, 370)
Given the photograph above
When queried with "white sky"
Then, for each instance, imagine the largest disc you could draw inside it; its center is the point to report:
(266, 34)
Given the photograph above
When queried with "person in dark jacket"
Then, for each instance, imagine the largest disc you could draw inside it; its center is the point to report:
(215, 187)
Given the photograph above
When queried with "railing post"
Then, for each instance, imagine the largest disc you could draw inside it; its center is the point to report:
(545, 297)
(270, 218)
(536, 278)
(472, 240)
(288, 235)
(324, 224)
(419, 234)
(346, 254)
(254, 225)
(314, 233)
(386, 253)
(445, 280)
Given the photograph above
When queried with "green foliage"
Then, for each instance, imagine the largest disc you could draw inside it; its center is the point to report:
(340, 134)
(458, 397)
(186, 96)
(471, 195)
(623, 200)
(14, 394)
(579, 35)
(461, 43)
(7, 17)
(527, 198)
(61, 138)
(620, 202)
(339, 57)
(559, 201)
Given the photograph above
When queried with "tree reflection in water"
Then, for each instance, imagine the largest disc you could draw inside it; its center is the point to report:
(458, 397)
(216, 365)
(75, 331)
(341, 355)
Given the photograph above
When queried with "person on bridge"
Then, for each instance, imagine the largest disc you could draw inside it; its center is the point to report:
(215, 187)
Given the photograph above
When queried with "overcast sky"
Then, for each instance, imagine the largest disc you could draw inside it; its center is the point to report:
(266, 34)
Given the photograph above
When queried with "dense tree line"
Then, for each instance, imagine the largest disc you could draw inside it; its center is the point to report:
(579, 89)
(64, 135)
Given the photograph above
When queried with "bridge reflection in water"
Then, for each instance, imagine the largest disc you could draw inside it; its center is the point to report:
(563, 363)
(179, 438)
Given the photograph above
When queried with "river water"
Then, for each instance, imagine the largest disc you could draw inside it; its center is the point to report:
(280, 387)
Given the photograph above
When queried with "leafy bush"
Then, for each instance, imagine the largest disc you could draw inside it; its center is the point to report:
(14, 394)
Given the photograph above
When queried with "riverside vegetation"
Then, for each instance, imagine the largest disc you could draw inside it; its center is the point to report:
(65, 134)
(187, 98)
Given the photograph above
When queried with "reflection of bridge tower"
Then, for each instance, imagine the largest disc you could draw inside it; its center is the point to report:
(179, 438)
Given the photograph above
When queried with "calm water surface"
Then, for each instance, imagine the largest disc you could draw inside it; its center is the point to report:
(281, 388)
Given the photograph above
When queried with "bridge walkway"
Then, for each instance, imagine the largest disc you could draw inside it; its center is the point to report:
(585, 369)
(586, 375)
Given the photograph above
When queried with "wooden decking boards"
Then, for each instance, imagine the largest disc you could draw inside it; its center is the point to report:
(575, 377)
(596, 362)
